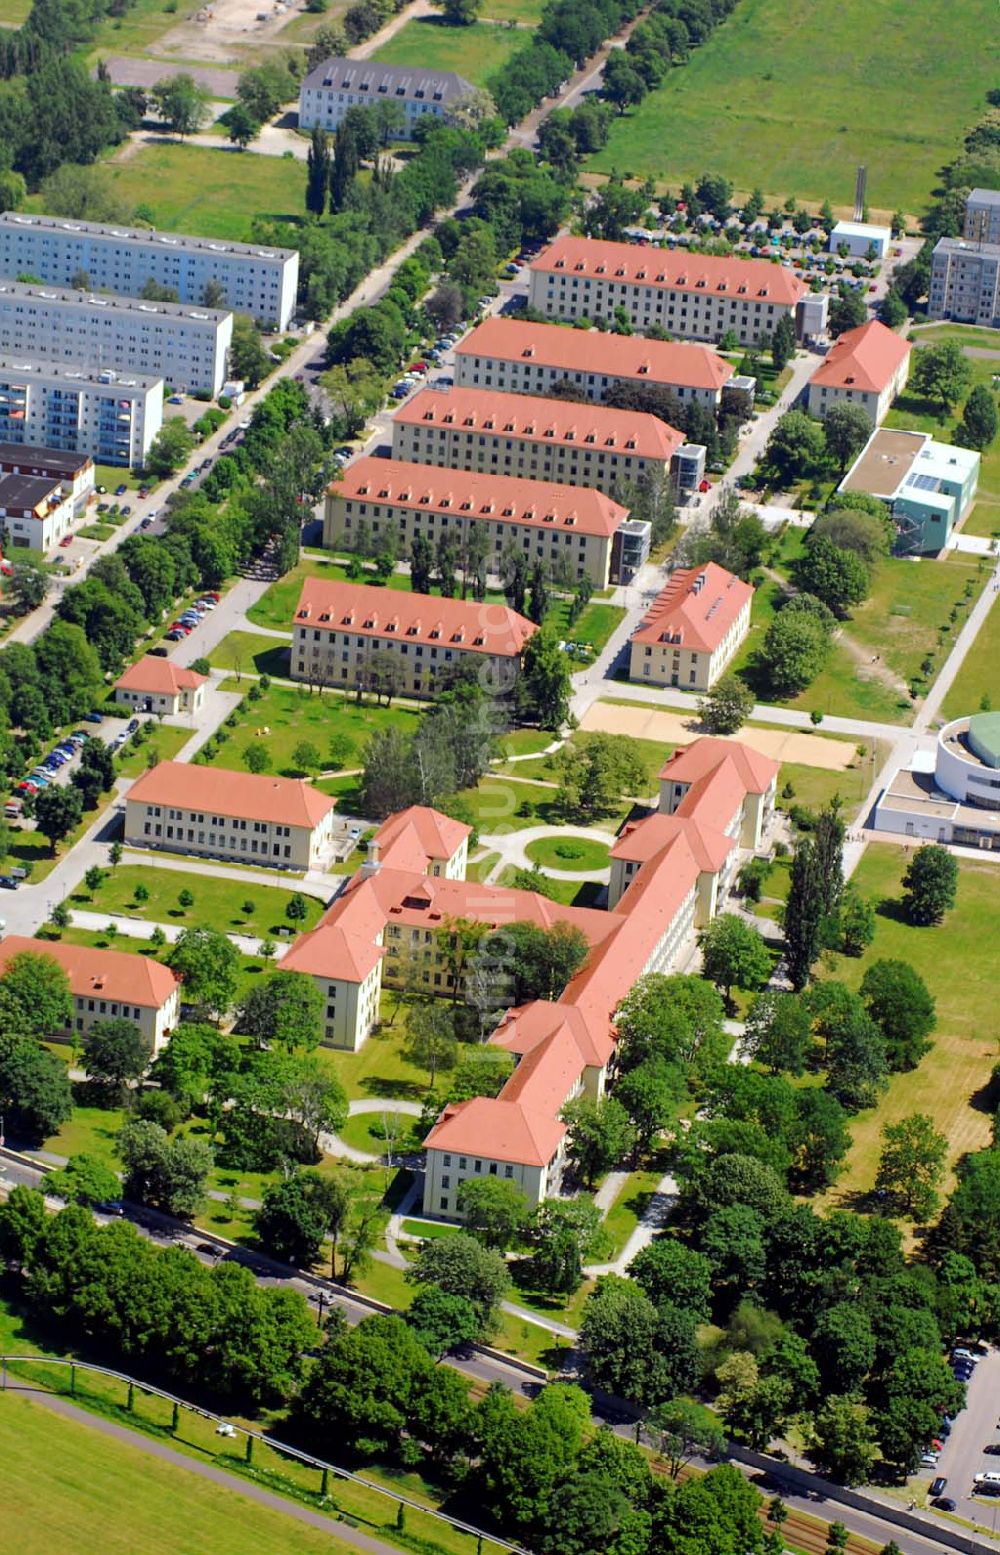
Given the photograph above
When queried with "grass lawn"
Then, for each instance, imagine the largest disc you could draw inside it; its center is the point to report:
(594, 625)
(216, 901)
(984, 518)
(90, 1131)
(475, 52)
(736, 107)
(527, 742)
(165, 741)
(210, 192)
(481, 867)
(380, 1068)
(977, 677)
(248, 653)
(15, 12)
(899, 621)
(32, 851)
(958, 962)
(528, 11)
(109, 1498)
(499, 805)
(629, 1206)
(291, 714)
(816, 786)
(576, 853)
(568, 892)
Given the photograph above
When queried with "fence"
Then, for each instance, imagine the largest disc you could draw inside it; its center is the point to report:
(412, 1524)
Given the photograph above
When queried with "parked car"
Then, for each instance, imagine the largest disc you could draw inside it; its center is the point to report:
(937, 1485)
(93, 718)
(126, 510)
(65, 541)
(158, 653)
(173, 637)
(8, 883)
(132, 725)
(213, 594)
(962, 1354)
(993, 1448)
(121, 490)
(145, 523)
(944, 1504)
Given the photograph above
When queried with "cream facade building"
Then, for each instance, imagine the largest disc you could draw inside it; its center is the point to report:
(110, 985)
(692, 296)
(241, 817)
(692, 629)
(354, 634)
(867, 366)
(522, 358)
(573, 527)
(155, 685)
(537, 439)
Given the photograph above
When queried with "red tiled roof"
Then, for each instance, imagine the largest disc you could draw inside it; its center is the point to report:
(866, 358)
(529, 416)
(696, 609)
(668, 362)
(500, 498)
(161, 677)
(644, 840)
(499, 1130)
(332, 952)
(690, 762)
(410, 838)
(246, 795)
(728, 276)
(107, 974)
(367, 611)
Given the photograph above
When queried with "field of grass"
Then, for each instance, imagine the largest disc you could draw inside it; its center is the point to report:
(15, 12)
(166, 740)
(216, 901)
(247, 653)
(736, 107)
(629, 1206)
(499, 805)
(90, 1131)
(112, 1498)
(899, 622)
(481, 867)
(816, 786)
(527, 11)
(210, 192)
(291, 715)
(576, 853)
(475, 52)
(594, 625)
(977, 677)
(380, 1068)
(957, 961)
(570, 893)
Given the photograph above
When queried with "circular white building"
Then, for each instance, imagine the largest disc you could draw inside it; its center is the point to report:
(951, 794)
(968, 760)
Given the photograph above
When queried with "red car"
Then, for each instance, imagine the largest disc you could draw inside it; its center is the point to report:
(180, 626)
(66, 540)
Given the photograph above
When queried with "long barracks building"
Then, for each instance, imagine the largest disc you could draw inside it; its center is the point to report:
(539, 439)
(256, 280)
(584, 530)
(694, 296)
(523, 358)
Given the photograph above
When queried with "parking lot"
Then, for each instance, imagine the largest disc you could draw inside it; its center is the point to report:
(963, 1455)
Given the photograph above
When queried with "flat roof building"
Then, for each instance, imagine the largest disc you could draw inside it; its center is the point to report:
(928, 487)
(867, 366)
(859, 238)
(328, 91)
(354, 635)
(35, 511)
(154, 685)
(538, 439)
(982, 216)
(573, 527)
(692, 629)
(90, 411)
(73, 471)
(255, 278)
(950, 795)
(242, 817)
(519, 357)
(109, 985)
(188, 346)
(693, 296)
(965, 282)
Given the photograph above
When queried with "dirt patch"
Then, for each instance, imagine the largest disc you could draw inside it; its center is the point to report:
(647, 723)
(224, 29)
(871, 668)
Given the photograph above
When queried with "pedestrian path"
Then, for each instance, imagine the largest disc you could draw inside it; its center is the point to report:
(652, 1221)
